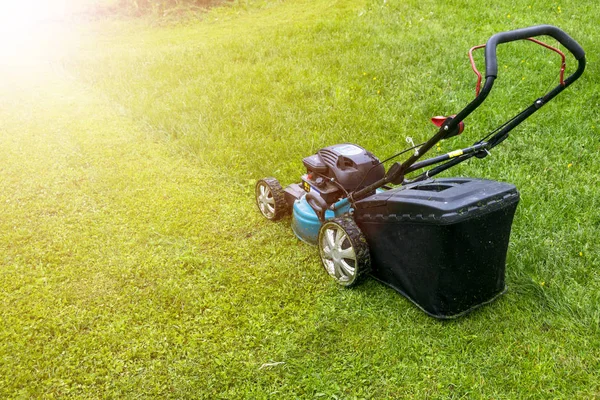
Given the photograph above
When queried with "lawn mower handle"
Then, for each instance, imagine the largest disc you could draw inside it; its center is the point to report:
(491, 70)
(395, 174)
(491, 64)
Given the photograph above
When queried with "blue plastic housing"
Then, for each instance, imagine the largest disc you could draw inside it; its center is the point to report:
(305, 222)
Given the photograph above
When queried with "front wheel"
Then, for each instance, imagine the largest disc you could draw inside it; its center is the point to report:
(344, 251)
(270, 199)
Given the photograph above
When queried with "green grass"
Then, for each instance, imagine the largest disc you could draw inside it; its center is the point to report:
(133, 262)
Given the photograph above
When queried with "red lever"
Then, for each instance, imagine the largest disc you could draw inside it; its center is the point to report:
(440, 120)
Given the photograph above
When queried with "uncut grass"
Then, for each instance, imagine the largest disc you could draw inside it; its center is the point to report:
(155, 276)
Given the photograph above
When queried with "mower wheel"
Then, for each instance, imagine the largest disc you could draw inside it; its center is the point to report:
(270, 199)
(344, 251)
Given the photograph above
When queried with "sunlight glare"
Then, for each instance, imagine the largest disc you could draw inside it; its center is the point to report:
(26, 28)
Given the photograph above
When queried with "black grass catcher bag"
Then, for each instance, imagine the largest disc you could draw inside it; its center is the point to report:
(441, 243)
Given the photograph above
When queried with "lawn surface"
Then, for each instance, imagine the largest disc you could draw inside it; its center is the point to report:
(134, 263)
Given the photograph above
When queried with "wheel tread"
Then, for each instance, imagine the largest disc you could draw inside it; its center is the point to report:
(360, 245)
(281, 207)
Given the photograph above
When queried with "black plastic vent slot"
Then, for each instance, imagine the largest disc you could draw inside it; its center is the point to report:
(434, 187)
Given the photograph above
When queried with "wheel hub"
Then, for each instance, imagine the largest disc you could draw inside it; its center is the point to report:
(335, 254)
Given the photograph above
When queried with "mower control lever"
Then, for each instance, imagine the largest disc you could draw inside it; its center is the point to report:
(439, 121)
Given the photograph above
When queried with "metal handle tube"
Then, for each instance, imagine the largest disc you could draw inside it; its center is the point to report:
(445, 157)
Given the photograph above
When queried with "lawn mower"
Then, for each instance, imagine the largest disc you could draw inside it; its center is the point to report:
(442, 243)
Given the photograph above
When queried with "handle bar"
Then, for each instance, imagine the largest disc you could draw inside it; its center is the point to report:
(397, 171)
(491, 63)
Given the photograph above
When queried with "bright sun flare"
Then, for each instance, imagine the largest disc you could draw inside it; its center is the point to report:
(24, 25)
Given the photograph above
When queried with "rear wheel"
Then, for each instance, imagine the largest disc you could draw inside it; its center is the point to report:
(270, 199)
(344, 251)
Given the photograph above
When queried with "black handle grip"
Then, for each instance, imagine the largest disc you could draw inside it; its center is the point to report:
(491, 64)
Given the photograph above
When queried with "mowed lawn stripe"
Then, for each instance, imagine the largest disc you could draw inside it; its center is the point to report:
(115, 247)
